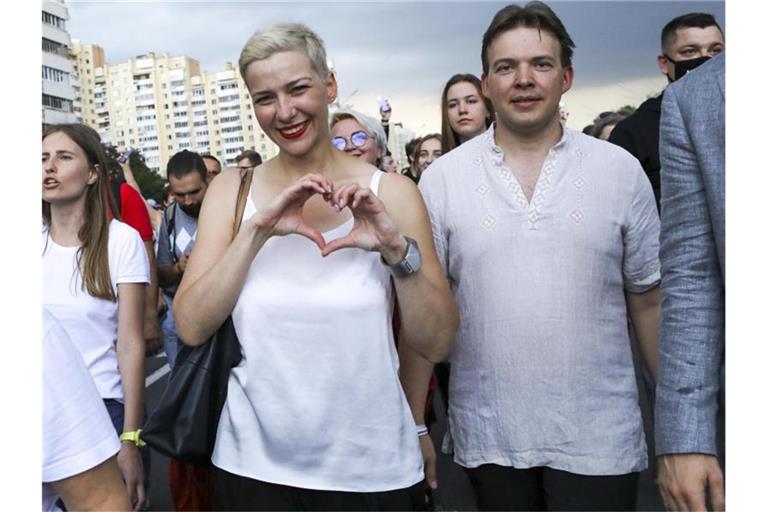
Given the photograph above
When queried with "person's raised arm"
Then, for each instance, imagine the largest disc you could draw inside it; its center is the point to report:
(429, 314)
(218, 264)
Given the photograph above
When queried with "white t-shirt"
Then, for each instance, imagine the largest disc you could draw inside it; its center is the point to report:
(316, 402)
(90, 322)
(77, 432)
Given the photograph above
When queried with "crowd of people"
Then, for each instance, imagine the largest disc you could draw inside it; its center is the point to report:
(513, 265)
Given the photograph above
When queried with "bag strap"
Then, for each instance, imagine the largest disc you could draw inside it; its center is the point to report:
(170, 226)
(242, 196)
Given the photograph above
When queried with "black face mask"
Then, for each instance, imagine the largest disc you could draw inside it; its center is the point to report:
(684, 66)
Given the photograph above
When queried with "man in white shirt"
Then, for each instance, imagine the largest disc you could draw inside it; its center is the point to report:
(549, 238)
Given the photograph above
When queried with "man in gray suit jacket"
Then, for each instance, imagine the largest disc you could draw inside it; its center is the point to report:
(692, 343)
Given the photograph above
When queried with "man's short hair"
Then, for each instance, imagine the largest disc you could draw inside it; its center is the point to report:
(251, 155)
(211, 157)
(536, 15)
(283, 37)
(690, 20)
(185, 162)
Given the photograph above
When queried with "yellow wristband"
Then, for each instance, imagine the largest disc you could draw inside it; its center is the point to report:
(134, 437)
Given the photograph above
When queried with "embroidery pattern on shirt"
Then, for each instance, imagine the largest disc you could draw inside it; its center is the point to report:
(577, 215)
(488, 222)
(543, 185)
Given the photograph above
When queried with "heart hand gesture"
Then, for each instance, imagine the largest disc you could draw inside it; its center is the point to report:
(372, 230)
(284, 216)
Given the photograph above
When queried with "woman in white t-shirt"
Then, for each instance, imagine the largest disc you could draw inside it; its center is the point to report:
(315, 417)
(94, 274)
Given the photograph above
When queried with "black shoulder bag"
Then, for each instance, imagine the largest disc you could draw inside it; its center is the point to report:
(185, 421)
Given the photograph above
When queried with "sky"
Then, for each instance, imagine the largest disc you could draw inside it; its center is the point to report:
(405, 51)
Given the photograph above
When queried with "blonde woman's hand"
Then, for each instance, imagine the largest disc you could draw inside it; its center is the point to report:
(372, 230)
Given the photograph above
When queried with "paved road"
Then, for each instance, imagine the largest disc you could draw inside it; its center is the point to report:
(454, 492)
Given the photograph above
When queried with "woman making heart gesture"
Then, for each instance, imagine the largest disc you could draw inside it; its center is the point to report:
(315, 416)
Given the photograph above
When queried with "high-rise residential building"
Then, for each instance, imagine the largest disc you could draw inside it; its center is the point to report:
(162, 104)
(398, 138)
(59, 83)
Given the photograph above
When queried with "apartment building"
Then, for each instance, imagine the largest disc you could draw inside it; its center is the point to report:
(60, 85)
(162, 104)
(398, 138)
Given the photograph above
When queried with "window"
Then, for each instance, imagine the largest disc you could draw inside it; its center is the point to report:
(57, 103)
(182, 124)
(54, 21)
(54, 47)
(55, 75)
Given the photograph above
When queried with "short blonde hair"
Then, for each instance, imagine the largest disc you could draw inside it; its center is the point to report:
(284, 37)
(368, 123)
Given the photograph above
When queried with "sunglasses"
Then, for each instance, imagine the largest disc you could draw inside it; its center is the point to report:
(358, 139)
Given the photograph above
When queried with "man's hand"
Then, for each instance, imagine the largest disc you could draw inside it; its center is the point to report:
(132, 469)
(181, 265)
(153, 336)
(430, 460)
(162, 306)
(685, 478)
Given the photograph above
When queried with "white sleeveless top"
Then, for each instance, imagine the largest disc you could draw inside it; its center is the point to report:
(316, 402)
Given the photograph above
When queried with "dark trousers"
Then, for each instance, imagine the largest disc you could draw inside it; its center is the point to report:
(506, 488)
(233, 492)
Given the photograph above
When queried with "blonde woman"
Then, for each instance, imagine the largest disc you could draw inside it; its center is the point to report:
(315, 416)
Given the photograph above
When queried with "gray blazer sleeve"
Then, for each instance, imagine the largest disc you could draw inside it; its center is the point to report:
(691, 345)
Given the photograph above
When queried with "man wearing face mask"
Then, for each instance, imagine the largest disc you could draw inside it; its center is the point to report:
(187, 180)
(686, 42)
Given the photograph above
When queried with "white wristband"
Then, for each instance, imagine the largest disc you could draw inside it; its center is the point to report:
(422, 430)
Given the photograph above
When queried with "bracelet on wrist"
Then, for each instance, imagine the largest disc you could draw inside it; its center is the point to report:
(134, 436)
(422, 430)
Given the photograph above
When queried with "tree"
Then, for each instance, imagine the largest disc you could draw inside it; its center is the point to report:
(150, 183)
(627, 110)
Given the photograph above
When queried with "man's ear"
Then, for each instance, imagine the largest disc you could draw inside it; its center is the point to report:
(332, 88)
(663, 63)
(484, 84)
(568, 74)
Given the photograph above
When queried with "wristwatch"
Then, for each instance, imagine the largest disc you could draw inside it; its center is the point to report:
(411, 262)
(134, 437)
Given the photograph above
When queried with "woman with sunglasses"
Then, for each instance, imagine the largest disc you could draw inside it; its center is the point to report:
(94, 275)
(358, 135)
(315, 417)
